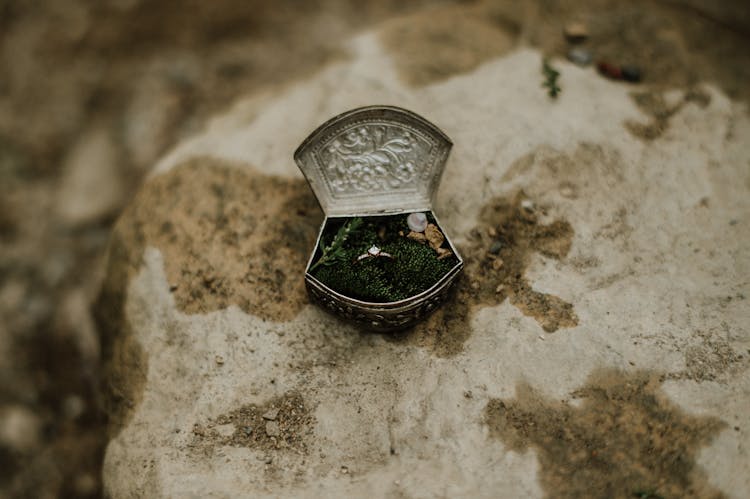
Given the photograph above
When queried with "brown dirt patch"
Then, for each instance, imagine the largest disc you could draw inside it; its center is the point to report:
(518, 233)
(675, 45)
(281, 424)
(496, 259)
(217, 252)
(654, 105)
(625, 440)
(229, 236)
(437, 43)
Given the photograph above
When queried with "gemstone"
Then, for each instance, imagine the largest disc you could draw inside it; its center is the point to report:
(609, 70)
(631, 74)
(579, 56)
(417, 222)
(374, 251)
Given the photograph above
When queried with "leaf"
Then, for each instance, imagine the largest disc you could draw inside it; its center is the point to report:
(334, 252)
(550, 82)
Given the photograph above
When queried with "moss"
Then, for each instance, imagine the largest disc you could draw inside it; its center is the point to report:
(414, 268)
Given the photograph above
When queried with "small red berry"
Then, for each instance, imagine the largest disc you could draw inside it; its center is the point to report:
(609, 70)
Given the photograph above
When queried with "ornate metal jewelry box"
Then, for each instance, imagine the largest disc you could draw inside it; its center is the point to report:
(376, 161)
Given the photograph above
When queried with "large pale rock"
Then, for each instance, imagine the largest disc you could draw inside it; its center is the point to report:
(608, 354)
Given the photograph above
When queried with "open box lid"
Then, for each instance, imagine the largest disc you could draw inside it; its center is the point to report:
(374, 160)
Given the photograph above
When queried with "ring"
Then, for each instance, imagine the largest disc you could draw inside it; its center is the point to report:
(373, 252)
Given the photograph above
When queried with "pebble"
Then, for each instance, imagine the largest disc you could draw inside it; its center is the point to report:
(576, 32)
(91, 183)
(74, 316)
(20, 429)
(417, 222)
(627, 73)
(527, 205)
(271, 414)
(146, 122)
(273, 429)
(219, 359)
(73, 406)
(85, 485)
(579, 56)
(497, 263)
(568, 191)
(495, 247)
(225, 430)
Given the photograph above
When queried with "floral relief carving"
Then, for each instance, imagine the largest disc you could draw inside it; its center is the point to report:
(373, 158)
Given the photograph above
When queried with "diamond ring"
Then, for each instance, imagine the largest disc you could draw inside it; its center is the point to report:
(373, 252)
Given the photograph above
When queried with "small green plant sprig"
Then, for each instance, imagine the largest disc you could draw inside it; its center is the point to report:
(646, 494)
(550, 79)
(334, 252)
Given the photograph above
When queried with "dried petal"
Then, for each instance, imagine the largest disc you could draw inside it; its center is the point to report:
(443, 253)
(417, 236)
(434, 236)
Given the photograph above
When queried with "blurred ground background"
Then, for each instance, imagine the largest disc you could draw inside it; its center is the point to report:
(93, 92)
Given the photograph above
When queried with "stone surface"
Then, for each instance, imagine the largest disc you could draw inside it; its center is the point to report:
(624, 287)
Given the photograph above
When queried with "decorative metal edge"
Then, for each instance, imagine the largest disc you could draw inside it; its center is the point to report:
(382, 318)
(382, 202)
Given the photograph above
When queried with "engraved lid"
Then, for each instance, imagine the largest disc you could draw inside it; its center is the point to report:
(373, 160)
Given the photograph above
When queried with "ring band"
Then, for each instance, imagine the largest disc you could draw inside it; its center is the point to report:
(373, 252)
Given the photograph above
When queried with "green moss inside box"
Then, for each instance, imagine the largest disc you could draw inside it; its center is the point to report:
(413, 269)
